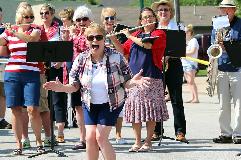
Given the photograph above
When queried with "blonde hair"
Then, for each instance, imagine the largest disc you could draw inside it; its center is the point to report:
(189, 28)
(107, 11)
(96, 27)
(67, 12)
(50, 7)
(23, 8)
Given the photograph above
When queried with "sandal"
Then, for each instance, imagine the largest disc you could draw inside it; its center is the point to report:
(134, 148)
(155, 137)
(18, 152)
(40, 149)
(81, 145)
(145, 148)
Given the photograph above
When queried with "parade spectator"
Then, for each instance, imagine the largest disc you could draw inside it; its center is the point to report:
(190, 67)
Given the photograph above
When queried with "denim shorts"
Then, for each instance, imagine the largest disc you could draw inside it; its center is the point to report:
(22, 88)
(189, 68)
(100, 114)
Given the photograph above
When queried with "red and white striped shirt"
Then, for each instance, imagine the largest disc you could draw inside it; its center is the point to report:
(18, 52)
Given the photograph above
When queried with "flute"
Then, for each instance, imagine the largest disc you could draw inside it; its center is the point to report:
(132, 29)
(6, 25)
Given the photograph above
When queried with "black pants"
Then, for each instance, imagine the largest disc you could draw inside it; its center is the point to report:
(173, 80)
(59, 99)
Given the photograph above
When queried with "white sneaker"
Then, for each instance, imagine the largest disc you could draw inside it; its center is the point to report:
(121, 141)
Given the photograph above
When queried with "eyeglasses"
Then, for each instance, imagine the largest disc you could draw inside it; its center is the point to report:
(110, 18)
(163, 10)
(44, 13)
(82, 19)
(97, 37)
(27, 17)
(146, 17)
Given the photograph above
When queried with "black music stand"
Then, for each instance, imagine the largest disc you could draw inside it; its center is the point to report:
(52, 51)
(233, 49)
(175, 48)
(176, 43)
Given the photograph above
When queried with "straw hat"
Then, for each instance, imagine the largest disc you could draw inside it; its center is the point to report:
(227, 3)
(156, 4)
(164, 2)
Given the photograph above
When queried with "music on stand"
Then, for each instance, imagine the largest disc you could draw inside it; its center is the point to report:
(52, 51)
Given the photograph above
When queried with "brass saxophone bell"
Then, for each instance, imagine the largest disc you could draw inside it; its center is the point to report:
(215, 51)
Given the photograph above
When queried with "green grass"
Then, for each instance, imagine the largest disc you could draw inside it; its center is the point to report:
(201, 73)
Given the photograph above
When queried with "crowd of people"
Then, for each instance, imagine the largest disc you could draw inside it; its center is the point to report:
(110, 79)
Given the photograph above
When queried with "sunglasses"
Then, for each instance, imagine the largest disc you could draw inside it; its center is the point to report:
(44, 13)
(97, 37)
(110, 18)
(82, 19)
(27, 17)
(147, 17)
(163, 10)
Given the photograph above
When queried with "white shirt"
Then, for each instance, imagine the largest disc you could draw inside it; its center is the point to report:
(191, 44)
(99, 91)
(172, 25)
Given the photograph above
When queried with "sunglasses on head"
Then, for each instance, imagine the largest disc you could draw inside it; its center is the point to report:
(111, 18)
(163, 10)
(97, 37)
(27, 17)
(82, 19)
(44, 13)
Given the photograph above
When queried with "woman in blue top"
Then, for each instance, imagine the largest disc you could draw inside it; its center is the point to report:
(145, 104)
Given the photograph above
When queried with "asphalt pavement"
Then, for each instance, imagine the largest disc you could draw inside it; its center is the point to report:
(202, 126)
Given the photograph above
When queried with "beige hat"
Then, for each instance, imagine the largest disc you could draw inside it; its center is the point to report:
(156, 4)
(164, 2)
(227, 3)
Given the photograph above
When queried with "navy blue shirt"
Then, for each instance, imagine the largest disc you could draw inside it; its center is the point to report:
(141, 58)
(233, 34)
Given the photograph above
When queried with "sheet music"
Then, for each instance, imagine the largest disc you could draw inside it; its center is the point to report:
(220, 22)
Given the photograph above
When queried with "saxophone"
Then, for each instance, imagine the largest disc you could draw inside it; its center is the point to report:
(214, 52)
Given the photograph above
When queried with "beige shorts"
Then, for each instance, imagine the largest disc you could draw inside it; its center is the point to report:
(43, 101)
(2, 94)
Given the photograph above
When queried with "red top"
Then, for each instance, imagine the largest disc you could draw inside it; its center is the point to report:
(158, 46)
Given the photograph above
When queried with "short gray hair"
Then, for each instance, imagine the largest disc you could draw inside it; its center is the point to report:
(82, 11)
